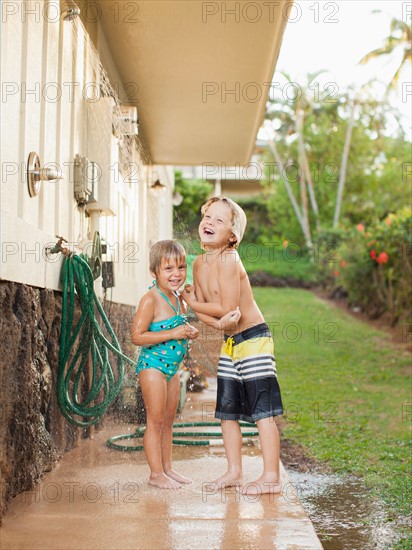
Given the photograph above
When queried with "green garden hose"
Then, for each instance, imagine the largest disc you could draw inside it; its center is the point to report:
(86, 382)
(112, 442)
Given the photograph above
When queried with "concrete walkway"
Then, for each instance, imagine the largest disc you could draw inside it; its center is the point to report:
(98, 498)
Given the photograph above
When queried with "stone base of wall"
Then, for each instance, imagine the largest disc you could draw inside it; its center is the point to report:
(129, 406)
(33, 433)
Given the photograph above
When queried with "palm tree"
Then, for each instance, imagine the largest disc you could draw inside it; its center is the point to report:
(344, 163)
(290, 114)
(400, 38)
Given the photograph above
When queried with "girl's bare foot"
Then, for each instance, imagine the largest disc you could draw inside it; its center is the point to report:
(162, 481)
(177, 477)
(228, 479)
(263, 485)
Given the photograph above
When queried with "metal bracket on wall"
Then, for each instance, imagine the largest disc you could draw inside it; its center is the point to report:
(36, 174)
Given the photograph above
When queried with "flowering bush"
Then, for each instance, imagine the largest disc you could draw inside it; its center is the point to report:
(375, 266)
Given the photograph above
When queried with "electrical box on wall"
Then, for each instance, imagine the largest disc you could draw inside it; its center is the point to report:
(99, 148)
(108, 274)
(107, 267)
(85, 180)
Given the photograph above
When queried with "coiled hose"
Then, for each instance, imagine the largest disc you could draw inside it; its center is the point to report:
(86, 382)
(113, 441)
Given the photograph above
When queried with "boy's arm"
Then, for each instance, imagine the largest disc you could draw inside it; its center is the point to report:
(229, 285)
(209, 320)
(141, 336)
(227, 323)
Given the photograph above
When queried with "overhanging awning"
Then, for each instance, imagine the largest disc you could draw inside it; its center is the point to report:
(201, 71)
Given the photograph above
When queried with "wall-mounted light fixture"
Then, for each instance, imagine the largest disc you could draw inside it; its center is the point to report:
(158, 187)
(70, 10)
(36, 174)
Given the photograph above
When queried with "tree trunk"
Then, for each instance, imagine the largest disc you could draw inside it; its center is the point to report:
(345, 156)
(304, 165)
(299, 216)
(304, 202)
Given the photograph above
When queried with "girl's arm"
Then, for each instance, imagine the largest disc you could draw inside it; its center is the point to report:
(141, 336)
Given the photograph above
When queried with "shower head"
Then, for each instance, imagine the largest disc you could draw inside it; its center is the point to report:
(71, 11)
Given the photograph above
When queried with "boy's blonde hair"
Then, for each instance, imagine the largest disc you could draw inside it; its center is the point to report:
(239, 219)
(165, 250)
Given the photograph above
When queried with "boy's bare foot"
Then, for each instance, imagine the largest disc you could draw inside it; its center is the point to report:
(177, 477)
(263, 485)
(227, 480)
(162, 481)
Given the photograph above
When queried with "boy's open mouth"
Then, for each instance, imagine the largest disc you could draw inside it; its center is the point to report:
(208, 231)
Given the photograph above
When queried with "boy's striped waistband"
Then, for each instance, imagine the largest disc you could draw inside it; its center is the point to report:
(260, 330)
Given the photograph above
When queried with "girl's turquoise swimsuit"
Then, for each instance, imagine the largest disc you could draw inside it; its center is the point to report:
(167, 355)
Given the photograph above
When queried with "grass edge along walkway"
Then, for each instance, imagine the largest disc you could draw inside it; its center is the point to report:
(346, 389)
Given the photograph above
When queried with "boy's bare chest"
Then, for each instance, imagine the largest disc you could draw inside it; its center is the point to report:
(208, 279)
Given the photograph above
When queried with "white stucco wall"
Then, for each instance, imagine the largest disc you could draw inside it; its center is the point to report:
(49, 73)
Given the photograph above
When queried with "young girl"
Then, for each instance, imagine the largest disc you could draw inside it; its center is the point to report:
(160, 327)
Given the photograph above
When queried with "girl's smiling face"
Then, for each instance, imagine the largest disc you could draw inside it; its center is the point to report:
(171, 274)
(215, 228)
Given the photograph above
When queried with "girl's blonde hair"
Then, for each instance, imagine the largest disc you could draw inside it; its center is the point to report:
(165, 250)
(239, 219)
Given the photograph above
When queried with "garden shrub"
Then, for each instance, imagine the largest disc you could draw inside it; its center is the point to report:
(375, 266)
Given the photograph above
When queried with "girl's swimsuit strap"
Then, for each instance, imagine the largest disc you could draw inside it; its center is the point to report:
(177, 311)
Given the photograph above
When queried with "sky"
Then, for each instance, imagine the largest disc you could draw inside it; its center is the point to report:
(335, 35)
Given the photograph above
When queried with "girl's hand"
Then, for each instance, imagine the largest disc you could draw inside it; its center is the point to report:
(179, 333)
(192, 332)
(186, 332)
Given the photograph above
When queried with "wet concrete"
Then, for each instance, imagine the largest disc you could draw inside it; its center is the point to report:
(344, 513)
(99, 498)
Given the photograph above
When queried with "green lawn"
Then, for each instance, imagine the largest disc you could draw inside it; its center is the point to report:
(272, 260)
(346, 390)
(277, 261)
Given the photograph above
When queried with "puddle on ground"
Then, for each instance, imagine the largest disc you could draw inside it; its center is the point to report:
(343, 512)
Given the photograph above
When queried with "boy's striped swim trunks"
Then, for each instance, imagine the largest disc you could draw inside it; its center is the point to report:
(247, 385)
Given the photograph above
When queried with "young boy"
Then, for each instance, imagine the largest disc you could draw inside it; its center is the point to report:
(247, 383)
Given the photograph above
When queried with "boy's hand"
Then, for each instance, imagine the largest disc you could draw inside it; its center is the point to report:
(188, 294)
(230, 320)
